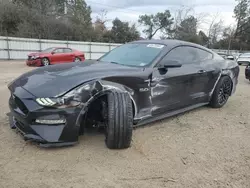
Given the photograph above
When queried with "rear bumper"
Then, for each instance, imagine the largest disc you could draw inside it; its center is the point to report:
(35, 62)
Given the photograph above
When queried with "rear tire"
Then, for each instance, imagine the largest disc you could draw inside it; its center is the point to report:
(222, 92)
(120, 121)
(45, 61)
(77, 59)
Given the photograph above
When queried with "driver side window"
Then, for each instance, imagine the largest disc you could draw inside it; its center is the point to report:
(181, 54)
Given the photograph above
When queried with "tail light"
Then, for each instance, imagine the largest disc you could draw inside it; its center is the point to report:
(83, 57)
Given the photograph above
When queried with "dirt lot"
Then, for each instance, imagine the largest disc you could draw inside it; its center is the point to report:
(202, 148)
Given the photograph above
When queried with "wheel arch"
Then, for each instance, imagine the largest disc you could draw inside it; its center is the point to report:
(46, 57)
(229, 73)
(223, 73)
(107, 87)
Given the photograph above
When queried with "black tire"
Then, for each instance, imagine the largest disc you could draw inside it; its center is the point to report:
(120, 121)
(222, 92)
(45, 61)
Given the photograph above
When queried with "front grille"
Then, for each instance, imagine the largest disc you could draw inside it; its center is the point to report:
(20, 104)
(20, 126)
(29, 57)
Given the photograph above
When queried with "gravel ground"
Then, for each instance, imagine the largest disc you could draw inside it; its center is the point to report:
(202, 148)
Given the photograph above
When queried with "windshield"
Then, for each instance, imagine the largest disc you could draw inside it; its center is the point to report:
(48, 50)
(138, 55)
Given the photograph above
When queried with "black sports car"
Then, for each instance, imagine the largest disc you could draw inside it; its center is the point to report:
(134, 84)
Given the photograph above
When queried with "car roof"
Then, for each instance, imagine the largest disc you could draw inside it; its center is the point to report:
(61, 47)
(172, 43)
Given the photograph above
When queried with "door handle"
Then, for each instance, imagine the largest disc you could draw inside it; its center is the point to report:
(201, 71)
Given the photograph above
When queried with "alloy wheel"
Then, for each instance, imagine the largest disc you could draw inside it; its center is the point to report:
(77, 59)
(224, 92)
(45, 62)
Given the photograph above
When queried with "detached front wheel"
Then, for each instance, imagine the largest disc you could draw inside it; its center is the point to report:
(222, 92)
(119, 121)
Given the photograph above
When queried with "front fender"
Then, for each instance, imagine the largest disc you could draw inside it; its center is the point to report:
(101, 88)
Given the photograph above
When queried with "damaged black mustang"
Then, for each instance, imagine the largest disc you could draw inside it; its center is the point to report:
(134, 84)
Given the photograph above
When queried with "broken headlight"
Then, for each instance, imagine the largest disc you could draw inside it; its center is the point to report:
(71, 99)
(35, 57)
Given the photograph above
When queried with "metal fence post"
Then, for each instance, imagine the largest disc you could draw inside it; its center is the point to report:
(67, 43)
(90, 50)
(109, 46)
(40, 43)
(8, 45)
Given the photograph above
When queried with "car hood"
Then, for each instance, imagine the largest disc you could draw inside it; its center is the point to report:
(56, 80)
(37, 54)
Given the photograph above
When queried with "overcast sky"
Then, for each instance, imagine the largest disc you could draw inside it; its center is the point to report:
(129, 10)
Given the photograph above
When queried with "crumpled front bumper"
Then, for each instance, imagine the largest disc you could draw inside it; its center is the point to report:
(33, 133)
(34, 62)
(24, 112)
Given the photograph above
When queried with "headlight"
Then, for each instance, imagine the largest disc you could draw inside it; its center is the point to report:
(35, 56)
(71, 99)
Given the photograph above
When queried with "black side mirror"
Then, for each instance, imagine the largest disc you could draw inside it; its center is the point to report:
(170, 64)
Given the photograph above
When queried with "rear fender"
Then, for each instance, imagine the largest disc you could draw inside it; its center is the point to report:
(231, 75)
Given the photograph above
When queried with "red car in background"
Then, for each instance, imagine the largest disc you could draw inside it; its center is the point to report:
(55, 55)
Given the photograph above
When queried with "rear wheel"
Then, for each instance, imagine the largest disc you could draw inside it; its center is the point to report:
(222, 92)
(119, 121)
(45, 61)
(77, 59)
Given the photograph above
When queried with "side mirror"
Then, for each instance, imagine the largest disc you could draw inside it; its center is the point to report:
(53, 53)
(170, 64)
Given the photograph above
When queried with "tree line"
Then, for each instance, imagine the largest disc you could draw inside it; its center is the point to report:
(71, 20)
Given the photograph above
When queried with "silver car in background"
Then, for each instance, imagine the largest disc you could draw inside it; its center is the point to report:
(244, 59)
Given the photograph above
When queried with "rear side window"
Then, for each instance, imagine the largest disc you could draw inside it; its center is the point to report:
(67, 50)
(203, 55)
(59, 50)
(187, 55)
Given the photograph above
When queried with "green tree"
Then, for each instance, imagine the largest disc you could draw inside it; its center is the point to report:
(203, 38)
(242, 15)
(187, 30)
(79, 16)
(43, 7)
(155, 23)
(121, 32)
(9, 18)
(241, 12)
